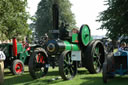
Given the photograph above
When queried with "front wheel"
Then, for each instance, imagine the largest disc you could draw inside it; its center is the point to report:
(38, 66)
(17, 67)
(67, 67)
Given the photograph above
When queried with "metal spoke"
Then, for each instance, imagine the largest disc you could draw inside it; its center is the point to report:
(65, 67)
(71, 71)
(68, 56)
(65, 62)
(98, 60)
(66, 71)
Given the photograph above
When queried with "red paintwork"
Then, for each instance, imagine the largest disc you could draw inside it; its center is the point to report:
(14, 46)
(40, 58)
(76, 41)
(18, 68)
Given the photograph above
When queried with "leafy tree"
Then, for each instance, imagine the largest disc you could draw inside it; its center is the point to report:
(43, 16)
(13, 19)
(115, 18)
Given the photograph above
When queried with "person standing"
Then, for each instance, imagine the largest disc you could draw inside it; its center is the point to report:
(2, 58)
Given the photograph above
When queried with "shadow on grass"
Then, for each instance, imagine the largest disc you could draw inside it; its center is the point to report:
(26, 79)
(50, 76)
(98, 81)
(81, 72)
(48, 79)
(43, 82)
(16, 79)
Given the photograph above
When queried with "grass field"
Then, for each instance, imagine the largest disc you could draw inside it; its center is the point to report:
(82, 78)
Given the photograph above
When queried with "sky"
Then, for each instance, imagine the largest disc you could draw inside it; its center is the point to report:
(85, 11)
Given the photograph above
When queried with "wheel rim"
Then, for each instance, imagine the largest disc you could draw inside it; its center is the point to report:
(18, 67)
(85, 34)
(69, 67)
(39, 65)
(97, 58)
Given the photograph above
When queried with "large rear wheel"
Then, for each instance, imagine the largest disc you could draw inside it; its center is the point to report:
(38, 63)
(94, 56)
(67, 67)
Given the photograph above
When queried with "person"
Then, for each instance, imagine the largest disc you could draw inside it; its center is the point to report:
(2, 58)
(122, 46)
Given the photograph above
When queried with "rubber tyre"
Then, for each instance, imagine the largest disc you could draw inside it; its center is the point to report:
(88, 56)
(33, 64)
(1, 72)
(110, 64)
(17, 67)
(71, 68)
(110, 61)
(104, 73)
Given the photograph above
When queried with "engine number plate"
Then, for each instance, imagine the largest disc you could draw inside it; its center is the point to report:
(76, 55)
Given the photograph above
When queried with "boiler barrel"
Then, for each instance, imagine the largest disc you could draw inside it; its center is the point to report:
(58, 46)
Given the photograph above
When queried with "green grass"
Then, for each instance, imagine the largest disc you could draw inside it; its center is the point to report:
(82, 78)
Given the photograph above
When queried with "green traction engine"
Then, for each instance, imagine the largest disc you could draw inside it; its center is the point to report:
(70, 50)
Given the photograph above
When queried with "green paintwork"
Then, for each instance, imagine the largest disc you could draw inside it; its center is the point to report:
(74, 37)
(85, 35)
(72, 47)
(67, 45)
(8, 51)
(22, 51)
(19, 47)
(75, 47)
(23, 55)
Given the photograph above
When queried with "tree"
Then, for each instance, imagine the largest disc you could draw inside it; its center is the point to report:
(13, 19)
(114, 19)
(43, 16)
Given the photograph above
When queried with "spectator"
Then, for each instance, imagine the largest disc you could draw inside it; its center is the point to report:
(122, 46)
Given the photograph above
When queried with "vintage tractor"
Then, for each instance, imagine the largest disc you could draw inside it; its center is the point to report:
(116, 63)
(16, 56)
(2, 58)
(69, 50)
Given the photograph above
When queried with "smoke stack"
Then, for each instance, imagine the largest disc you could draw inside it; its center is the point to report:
(55, 11)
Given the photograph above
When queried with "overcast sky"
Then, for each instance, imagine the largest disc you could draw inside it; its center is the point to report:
(85, 11)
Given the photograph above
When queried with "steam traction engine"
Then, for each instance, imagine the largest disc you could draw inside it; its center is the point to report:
(71, 49)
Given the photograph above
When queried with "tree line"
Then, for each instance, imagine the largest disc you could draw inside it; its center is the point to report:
(43, 21)
(115, 18)
(13, 19)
